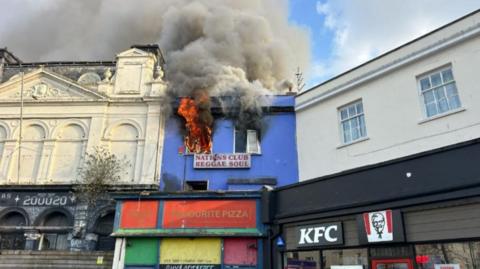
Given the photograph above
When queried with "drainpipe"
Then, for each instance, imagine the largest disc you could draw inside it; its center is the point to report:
(21, 128)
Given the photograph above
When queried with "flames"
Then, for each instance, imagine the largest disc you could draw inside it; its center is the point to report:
(198, 122)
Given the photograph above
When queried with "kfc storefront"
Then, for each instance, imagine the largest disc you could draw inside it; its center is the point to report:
(207, 230)
(377, 240)
(380, 218)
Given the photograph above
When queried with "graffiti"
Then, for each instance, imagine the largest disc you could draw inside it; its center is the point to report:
(36, 199)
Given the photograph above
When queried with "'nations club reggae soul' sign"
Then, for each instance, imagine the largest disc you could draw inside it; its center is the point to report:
(221, 160)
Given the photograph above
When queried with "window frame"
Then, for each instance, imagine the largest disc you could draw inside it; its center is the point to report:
(421, 92)
(363, 137)
(259, 148)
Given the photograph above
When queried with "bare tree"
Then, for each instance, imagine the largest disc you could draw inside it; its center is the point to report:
(100, 170)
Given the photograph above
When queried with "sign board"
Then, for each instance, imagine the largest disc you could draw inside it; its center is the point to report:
(325, 234)
(210, 214)
(381, 227)
(37, 199)
(139, 214)
(190, 253)
(447, 266)
(221, 160)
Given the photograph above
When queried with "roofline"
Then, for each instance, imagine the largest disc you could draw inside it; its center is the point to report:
(389, 52)
(60, 63)
(380, 164)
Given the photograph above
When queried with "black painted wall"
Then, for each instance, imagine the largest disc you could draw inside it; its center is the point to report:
(453, 170)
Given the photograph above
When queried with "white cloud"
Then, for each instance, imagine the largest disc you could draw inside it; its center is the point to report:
(364, 29)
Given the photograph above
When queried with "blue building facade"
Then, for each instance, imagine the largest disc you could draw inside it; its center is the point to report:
(273, 163)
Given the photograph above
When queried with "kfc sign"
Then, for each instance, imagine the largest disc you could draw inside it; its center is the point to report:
(381, 226)
(320, 235)
(221, 160)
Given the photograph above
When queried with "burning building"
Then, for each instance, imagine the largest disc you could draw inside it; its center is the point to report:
(212, 146)
(210, 212)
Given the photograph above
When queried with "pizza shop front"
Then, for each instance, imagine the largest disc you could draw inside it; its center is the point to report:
(189, 231)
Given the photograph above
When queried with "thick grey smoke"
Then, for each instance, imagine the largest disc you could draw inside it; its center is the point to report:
(244, 48)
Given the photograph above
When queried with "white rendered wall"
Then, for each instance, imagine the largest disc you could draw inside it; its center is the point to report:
(394, 113)
(69, 120)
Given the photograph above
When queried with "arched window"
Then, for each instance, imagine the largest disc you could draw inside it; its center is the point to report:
(123, 143)
(31, 153)
(103, 228)
(57, 240)
(68, 153)
(11, 236)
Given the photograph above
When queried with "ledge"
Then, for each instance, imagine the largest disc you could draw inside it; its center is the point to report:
(222, 232)
(450, 112)
(353, 142)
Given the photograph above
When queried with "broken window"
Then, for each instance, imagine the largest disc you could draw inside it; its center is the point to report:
(197, 185)
(246, 141)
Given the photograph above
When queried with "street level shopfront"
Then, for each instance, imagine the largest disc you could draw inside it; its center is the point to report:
(420, 212)
(207, 230)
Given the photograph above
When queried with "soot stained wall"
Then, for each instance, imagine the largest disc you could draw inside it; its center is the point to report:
(278, 158)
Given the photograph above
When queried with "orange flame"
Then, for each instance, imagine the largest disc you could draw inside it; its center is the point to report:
(198, 123)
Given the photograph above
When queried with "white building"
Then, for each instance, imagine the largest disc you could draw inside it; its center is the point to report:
(418, 97)
(52, 114)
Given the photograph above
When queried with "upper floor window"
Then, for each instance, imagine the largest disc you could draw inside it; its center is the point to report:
(352, 122)
(246, 141)
(439, 92)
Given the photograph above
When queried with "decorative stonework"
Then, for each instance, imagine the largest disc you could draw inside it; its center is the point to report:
(41, 90)
(89, 79)
(107, 75)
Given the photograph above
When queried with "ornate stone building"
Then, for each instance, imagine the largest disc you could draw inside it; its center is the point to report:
(51, 115)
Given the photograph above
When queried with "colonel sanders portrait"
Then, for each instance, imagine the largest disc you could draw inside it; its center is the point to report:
(378, 223)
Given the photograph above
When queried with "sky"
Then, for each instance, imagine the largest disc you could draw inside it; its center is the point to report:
(346, 33)
(341, 34)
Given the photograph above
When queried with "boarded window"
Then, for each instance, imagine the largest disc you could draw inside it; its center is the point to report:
(240, 251)
(141, 251)
(191, 251)
(68, 152)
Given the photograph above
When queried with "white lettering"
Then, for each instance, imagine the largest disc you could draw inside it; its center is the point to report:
(318, 233)
(305, 236)
(328, 236)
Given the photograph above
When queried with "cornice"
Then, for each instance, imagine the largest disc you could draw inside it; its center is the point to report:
(364, 77)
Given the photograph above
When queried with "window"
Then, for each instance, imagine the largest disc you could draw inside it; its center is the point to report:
(199, 185)
(302, 260)
(464, 255)
(352, 122)
(246, 141)
(55, 240)
(439, 92)
(345, 257)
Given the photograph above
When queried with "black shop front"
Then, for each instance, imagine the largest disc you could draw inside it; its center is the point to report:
(417, 212)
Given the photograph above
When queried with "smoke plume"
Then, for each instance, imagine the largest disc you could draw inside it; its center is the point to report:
(242, 48)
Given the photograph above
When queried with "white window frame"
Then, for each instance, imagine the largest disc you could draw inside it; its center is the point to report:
(350, 118)
(443, 85)
(247, 149)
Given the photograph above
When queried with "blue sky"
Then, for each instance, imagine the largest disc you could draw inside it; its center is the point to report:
(346, 33)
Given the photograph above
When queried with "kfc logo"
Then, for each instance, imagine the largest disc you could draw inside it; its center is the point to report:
(320, 234)
(379, 226)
